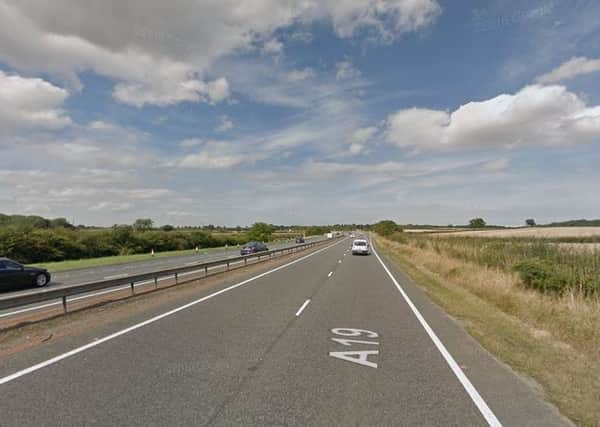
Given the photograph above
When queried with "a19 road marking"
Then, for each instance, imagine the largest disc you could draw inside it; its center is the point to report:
(356, 356)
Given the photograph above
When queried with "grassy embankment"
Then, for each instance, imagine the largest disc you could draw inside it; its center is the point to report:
(495, 288)
(117, 259)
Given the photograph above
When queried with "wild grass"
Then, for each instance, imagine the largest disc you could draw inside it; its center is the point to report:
(541, 264)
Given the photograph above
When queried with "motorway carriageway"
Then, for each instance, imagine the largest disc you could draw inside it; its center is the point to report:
(115, 271)
(325, 339)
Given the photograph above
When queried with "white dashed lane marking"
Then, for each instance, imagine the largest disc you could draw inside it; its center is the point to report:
(301, 309)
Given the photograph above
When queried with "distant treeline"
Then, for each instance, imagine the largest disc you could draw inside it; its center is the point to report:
(33, 221)
(575, 223)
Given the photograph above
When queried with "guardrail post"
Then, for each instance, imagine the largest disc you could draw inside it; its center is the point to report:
(176, 281)
(206, 270)
(155, 282)
(245, 261)
(132, 289)
(227, 265)
(64, 303)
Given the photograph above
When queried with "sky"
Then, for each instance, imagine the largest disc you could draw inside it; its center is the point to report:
(228, 112)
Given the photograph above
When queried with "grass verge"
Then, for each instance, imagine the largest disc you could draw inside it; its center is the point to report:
(119, 259)
(554, 340)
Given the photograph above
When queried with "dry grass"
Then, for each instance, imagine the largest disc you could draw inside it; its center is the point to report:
(538, 232)
(580, 247)
(555, 340)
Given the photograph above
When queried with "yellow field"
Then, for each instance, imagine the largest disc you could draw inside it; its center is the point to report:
(539, 232)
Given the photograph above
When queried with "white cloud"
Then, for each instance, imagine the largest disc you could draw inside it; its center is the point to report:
(217, 155)
(97, 146)
(417, 126)
(111, 206)
(497, 165)
(574, 67)
(301, 37)
(191, 142)
(346, 71)
(384, 19)
(225, 125)
(272, 46)
(172, 91)
(536, 115)
(207, 160)
(300, 75)
(316, 168)
(162, 55)
(31, 103)
(218, 90)
(360, 138)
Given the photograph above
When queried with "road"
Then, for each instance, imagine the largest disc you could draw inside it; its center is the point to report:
(82, 275)
(326, 339)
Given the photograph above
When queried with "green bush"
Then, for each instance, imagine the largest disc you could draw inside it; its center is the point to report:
(542, 276)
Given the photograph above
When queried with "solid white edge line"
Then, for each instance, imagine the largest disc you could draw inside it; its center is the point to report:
(116, 276)
(114, 335)
(25, 310)
(485, 410)
(301, 309)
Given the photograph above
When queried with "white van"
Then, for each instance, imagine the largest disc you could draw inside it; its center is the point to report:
(360, 247)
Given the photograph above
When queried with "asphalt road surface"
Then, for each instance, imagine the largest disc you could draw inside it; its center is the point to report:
(326, 339)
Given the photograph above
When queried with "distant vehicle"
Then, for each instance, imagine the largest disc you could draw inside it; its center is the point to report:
(360, 247)
(253, 247)
(330, 235)
(299, 239)
(13, 274)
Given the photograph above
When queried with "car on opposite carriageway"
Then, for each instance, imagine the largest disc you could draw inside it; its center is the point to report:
(253, 247)
(14, 275)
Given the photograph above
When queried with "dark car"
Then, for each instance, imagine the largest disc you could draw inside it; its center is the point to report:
(299, 239)
(253, 247)
(13, 275)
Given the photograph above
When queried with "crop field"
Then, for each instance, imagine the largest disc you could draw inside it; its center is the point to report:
(537, 232)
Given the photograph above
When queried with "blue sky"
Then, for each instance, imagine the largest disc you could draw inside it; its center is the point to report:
(421, 111)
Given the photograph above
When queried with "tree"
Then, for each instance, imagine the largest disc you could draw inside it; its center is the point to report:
(385, 228)
(315, 230)
(260, 231)
(141, 224)
(60, 223)
(122, 238)
(167, 227)
(477, 223)
(530, 222)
